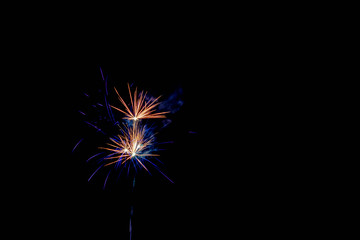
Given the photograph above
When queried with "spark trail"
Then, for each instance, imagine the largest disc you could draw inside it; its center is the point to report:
(139, 108)
(134, 144)
(131, 144)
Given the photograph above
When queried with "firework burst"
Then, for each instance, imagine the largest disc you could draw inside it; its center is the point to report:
(135, 145)
(132, 144)
(140, 108)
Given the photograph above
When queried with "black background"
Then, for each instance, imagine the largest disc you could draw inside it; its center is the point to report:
(161, 210)
(228, 178)
(197, 163)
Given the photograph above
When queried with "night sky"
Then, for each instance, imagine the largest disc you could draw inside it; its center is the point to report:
(162, 210)
(221, 158)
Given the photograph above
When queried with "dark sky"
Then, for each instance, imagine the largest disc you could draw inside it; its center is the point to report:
(162, 210)
(219, 158)
(194, 161)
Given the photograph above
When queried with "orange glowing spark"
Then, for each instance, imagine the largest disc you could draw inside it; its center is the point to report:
(133, 145)
(140, 108)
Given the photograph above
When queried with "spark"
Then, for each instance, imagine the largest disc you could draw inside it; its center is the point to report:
(139, 108)
(77, 144)
(135, 145)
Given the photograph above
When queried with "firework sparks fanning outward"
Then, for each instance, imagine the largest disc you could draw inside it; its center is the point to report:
(131, 144)
(140, 108)
(134, 145)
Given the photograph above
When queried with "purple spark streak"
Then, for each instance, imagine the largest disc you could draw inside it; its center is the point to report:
(159, 170)
(102, 75)
(105, 80)
(165, 175)
(108, 108)
(77, 144)
(93, 157)
(106, 179)
(98, 129)
(166, 142)
(106, 86)
(94, 173)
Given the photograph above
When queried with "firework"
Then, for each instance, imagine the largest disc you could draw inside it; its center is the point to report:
(135, 145)
(131, 144)
(140, 107)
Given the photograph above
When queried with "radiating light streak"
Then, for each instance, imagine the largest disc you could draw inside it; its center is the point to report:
(106, 179)
(77, 144)
(92, 125)
(94, 173)
(82, 113)
(93, 156)
(135, 144)
(139, 108)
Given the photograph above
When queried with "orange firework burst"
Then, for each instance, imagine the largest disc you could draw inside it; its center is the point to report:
(135, 144)
(140, 108)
